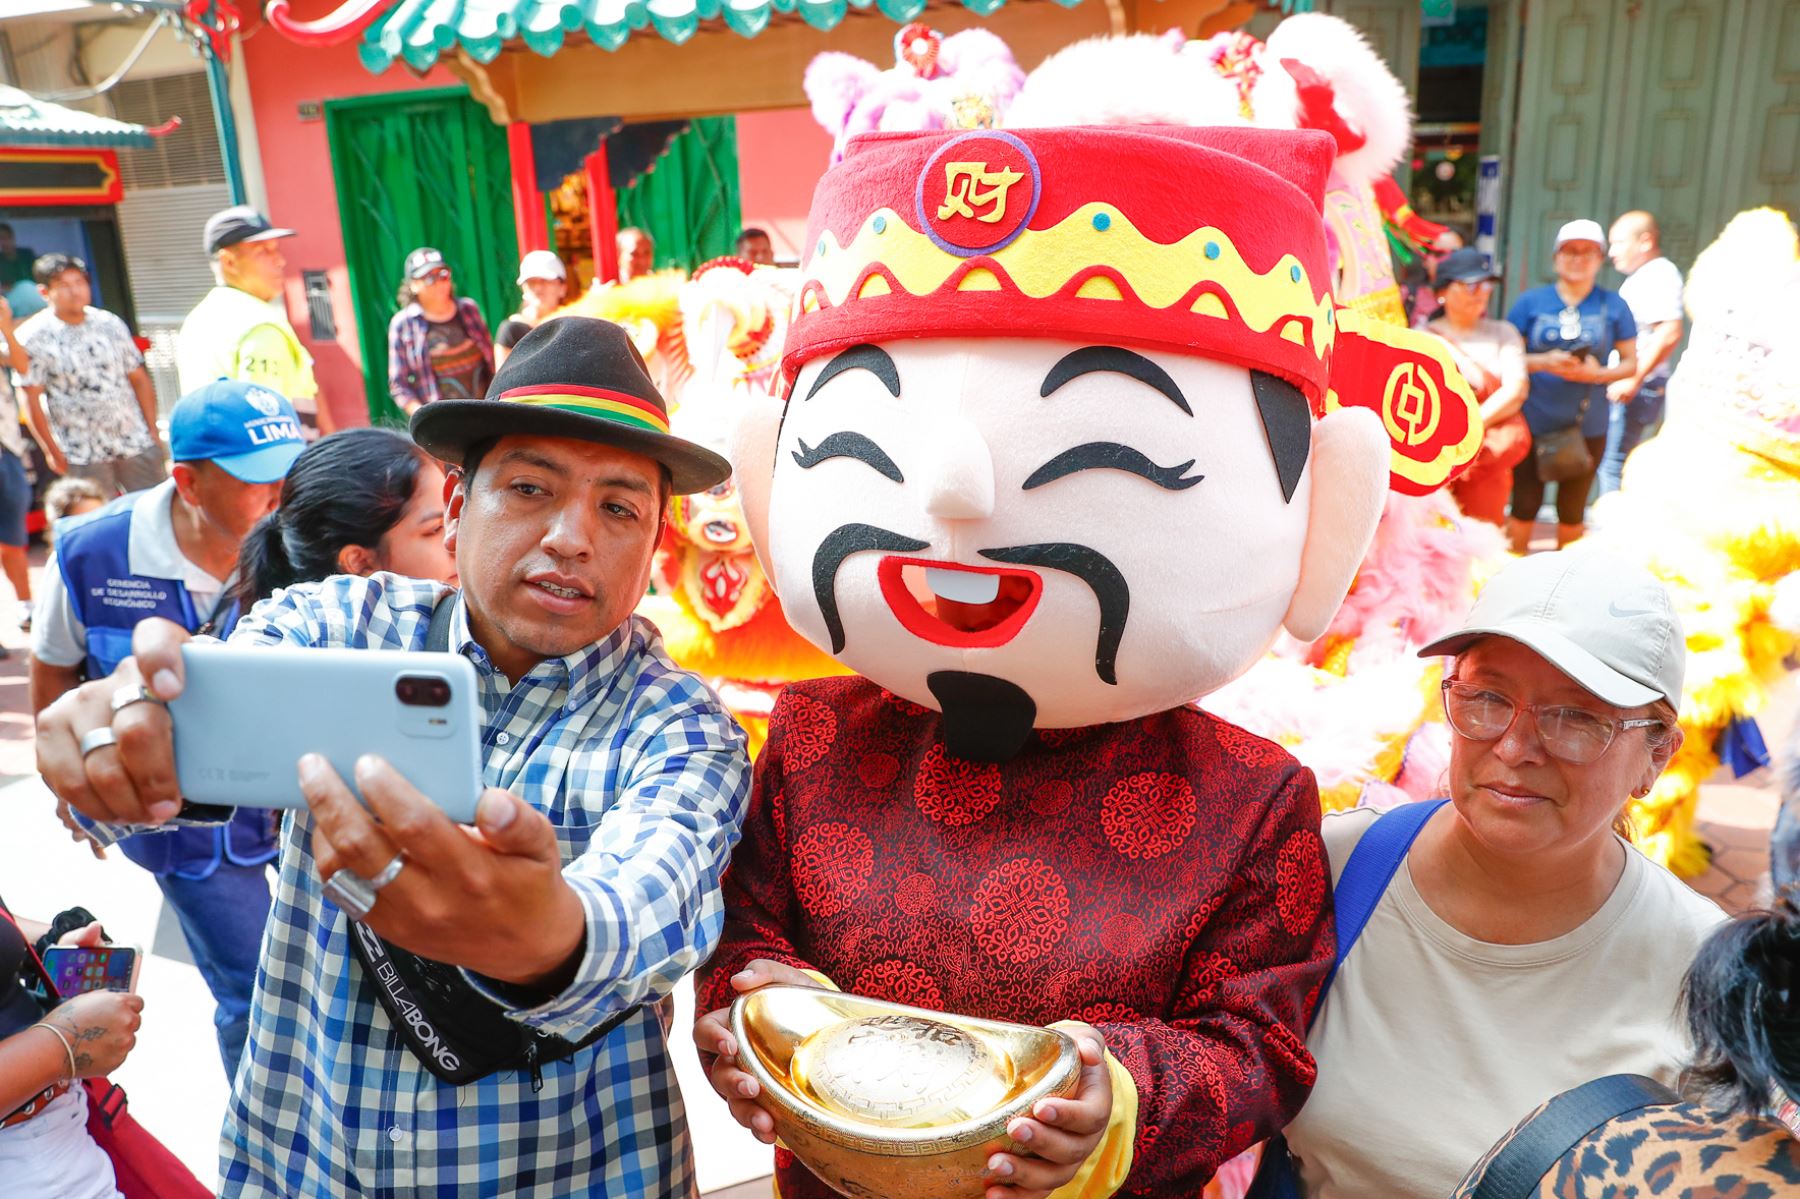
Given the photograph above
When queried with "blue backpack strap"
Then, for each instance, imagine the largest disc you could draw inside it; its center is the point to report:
(1369, 871)
(1358, 892)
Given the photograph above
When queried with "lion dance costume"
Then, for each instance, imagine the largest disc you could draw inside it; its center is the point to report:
(1712, 506)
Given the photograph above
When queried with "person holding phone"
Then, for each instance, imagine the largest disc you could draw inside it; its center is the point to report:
(589, 885)
(45, 1149)
(1571, 328)
(170, 552)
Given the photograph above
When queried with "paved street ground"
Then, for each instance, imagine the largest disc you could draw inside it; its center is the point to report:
(178, 1087)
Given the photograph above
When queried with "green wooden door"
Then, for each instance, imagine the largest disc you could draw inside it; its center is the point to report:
(1687, 108)
(688, 199)
(424, 168)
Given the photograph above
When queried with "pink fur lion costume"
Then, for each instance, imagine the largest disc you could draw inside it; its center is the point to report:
(963, 81)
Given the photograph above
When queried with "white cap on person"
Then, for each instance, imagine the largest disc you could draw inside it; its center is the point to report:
(1601, 619)
(541, 264)
(1582, 230)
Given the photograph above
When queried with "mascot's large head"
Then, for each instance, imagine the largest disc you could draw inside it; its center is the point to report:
(1067, 435)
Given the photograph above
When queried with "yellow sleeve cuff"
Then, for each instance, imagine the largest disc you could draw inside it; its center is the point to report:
(1103, 1173)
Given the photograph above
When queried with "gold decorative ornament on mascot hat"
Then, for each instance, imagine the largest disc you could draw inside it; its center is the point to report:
(885, 1101)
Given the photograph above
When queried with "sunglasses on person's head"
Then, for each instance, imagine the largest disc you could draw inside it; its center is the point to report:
(1569, 734)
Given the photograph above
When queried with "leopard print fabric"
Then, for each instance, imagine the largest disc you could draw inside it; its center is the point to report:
(1673, 1151)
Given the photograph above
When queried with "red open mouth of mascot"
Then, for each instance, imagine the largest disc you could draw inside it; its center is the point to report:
(967, 607)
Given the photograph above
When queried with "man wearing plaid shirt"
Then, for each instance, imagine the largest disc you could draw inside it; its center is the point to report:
(616, 786)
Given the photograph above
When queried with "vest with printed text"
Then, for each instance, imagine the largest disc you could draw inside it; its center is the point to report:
(94, 557)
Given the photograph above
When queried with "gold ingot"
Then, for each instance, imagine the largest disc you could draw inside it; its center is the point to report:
(885, 1101)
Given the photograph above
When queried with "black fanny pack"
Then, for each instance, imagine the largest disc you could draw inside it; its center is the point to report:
(455, 1031)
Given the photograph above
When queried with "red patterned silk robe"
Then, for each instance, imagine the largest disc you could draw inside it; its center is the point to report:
(1161, 879)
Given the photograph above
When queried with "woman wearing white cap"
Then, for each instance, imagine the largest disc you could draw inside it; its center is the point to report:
(543, 283)
(1504, 945)
(1571, 328)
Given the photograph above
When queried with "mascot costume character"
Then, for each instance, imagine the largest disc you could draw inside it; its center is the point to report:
(1712, 506)
(713, 605)
(1072, 429)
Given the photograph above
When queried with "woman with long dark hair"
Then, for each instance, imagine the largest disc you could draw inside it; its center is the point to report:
(355, 502)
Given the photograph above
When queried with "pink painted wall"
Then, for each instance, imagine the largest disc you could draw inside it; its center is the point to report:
(302, 196)
(781, 154)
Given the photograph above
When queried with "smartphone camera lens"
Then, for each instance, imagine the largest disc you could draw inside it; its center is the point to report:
(422, 691)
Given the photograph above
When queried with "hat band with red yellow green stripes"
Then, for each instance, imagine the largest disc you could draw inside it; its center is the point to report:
(615, 406)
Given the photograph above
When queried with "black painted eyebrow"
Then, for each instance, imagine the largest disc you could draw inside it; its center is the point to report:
(848, 444)
(1089, 359)
(1110, 455)
(873, 359)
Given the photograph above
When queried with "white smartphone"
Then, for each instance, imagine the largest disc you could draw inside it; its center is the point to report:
(245, 717)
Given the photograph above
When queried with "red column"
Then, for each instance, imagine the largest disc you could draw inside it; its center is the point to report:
(528, 202)
(603, 215)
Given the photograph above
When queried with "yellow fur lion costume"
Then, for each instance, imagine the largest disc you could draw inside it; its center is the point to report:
(1712, 505)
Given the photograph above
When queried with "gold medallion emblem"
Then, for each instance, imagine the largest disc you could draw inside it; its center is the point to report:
(1410, 405)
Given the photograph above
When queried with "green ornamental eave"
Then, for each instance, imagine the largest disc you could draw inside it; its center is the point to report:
(27, 122)
(419, 32)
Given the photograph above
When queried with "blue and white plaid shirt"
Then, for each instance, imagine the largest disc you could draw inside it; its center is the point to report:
(644, 775)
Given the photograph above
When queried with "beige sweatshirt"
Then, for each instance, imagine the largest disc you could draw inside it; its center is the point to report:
(1431, 1044)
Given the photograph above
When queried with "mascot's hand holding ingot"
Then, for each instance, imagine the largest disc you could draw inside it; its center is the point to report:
(1049, 468)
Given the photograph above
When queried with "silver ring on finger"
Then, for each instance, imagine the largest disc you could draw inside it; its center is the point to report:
(351, 892)
(389, 873)
(133, 693)
(98, 738)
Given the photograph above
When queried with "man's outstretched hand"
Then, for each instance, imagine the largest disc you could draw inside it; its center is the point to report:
(490, 898)
(133, 780)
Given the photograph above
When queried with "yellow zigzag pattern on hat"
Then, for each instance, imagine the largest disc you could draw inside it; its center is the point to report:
(1043, 261)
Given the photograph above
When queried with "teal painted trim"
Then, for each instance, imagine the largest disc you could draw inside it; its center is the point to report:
(676, 29)
(901, 11)
(420, 32)
(823, 15)
(219, 88)
(36, 137)
(747, 22)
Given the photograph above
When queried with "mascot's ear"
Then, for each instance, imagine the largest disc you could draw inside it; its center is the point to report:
(1349, 486)
(752, 453)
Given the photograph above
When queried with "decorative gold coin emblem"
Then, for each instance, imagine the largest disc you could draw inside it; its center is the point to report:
(1410, 405)
(900, 1071)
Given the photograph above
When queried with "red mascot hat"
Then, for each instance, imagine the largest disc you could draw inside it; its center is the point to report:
(1202, 241)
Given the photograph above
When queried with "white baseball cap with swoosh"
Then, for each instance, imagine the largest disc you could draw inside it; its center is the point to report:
(1601, 619)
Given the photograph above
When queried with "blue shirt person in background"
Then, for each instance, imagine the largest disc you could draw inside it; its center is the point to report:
(168, 552)
(1571, 329)
(616, 789)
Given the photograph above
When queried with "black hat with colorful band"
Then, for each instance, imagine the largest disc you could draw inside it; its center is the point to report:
(573, 377)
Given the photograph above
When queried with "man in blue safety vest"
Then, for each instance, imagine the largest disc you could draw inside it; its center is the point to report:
(170, 551)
